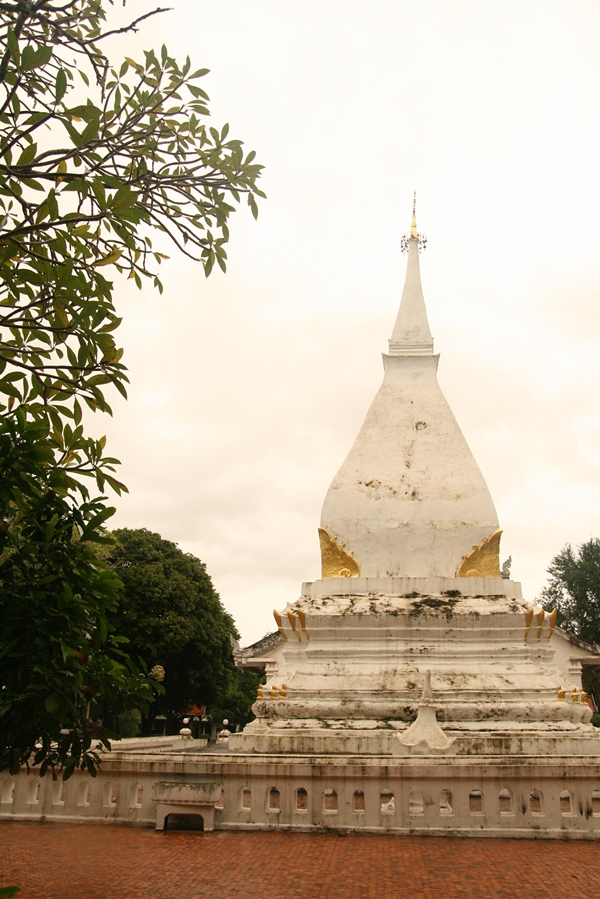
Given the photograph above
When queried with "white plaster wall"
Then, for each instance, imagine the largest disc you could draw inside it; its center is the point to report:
(560, 799)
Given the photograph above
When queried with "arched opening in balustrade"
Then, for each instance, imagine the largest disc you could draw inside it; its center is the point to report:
(109, 795)
(59, 789)
(358, 801)
(446, 803)
(8, 791)
(274, 800)
(476, 802)
(566, 802)
(505, 802)
(83, 794)
(301, 799)
(246, 798)
(330, 802)
(386, 802)
(536, 802)
(136, 796)
(33, 791)
(596, 803)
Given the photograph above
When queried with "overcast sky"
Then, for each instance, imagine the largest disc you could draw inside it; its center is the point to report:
(247, 389)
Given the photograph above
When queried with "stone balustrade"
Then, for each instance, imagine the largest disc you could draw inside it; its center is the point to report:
(224, 791)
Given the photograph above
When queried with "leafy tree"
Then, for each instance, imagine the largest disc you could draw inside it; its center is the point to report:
(574, 591)
(236, 704)
(96, 162)
(173, 618)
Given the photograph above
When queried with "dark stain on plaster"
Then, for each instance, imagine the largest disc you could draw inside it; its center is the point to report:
(434, 603)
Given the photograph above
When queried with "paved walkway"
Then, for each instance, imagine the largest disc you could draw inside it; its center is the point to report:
(88, 861)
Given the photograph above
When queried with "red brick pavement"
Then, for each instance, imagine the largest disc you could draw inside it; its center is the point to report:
(87, 861)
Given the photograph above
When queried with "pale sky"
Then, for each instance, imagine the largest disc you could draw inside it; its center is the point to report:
(247, 389)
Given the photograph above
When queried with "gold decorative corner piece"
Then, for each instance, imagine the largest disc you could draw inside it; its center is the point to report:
(540, 622)
(336, 561)
(484, 561)
(302, 618)
(528, 620)
(292, 620)
(552, 621)
(279, 623)
(561, 693)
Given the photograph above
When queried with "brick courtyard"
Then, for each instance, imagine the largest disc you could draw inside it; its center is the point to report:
(87, 861)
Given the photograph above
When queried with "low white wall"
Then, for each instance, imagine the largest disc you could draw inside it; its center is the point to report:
(447, 796)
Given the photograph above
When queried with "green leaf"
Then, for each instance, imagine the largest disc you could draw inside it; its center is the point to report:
(28, 155)
(13, 46)
(90, 133)
(60, 86)
(34, 59)
(88, 113)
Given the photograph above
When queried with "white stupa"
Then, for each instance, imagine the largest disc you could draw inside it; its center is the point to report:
(411, 591)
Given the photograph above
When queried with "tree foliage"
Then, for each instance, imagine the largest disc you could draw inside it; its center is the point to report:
(100, 167)
(573, 589)
(173, 617)
(236, 704)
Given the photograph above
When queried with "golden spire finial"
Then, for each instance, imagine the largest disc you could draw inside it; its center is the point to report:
(414, 234)
(413, 226)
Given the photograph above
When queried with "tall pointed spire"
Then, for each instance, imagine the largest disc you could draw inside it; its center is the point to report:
(411, 335)
(413, 225)
(409, 500)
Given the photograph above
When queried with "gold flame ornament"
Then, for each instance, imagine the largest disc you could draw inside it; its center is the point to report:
(484, 560)
(336, 560)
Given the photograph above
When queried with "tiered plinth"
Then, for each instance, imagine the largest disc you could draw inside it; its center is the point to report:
(354, 668)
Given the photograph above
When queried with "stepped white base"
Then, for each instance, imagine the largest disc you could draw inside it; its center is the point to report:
(353, 670)
(376, 738)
